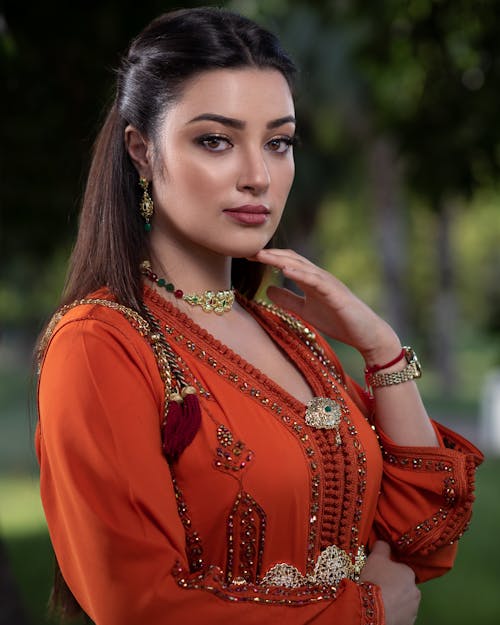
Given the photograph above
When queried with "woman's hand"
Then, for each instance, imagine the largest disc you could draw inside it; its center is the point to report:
(330, 306)
(397, 581)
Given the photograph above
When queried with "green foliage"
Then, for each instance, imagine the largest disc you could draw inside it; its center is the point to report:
(432, 79)
(478, 259)
(345, 240)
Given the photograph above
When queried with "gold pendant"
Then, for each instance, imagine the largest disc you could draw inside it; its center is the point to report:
(324, 413)
(218, 302)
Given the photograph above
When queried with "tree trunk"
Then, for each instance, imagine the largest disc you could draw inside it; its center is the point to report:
(445, 304)
(390, 231)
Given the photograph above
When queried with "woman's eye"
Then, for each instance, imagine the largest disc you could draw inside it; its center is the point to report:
(280, 144)
(215, 143)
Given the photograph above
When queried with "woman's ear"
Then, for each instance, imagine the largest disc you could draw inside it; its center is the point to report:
(139, 152)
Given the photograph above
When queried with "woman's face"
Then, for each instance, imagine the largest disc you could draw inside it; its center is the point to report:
(223, 164)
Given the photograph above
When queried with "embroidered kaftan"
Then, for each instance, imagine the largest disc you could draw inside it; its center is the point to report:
(255, 520)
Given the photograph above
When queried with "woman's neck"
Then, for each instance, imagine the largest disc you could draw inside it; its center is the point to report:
(192, 270)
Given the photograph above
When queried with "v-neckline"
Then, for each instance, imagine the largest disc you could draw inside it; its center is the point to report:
(251, 370)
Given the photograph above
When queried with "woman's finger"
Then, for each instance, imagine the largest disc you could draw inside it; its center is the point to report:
(382, 548)
(312, 280)
(280, 257)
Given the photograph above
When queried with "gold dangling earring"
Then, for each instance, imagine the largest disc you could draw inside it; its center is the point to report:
(146, 206)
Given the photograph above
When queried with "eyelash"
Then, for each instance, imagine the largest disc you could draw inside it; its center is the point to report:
(205, 139)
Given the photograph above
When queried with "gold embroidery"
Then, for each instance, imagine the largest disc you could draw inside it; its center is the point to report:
(345, 478)
(246, 538)
(332, 566)
(231, 456)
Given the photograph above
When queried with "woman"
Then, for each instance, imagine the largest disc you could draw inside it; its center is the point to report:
(203, 457)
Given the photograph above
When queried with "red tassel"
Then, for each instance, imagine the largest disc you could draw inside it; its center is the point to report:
(182, 423)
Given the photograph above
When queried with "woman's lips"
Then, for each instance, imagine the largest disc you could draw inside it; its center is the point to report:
(250, 215)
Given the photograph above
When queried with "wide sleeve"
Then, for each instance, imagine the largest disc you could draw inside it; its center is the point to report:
(426, 500)
(110, 502)
(426, 496)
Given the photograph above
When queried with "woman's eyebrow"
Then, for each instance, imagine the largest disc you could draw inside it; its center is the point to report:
(281, 121)
(238, 123)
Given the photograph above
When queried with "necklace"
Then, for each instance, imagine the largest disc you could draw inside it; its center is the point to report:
(218, 302)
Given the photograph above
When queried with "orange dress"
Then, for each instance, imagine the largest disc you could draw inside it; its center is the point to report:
(264, 518)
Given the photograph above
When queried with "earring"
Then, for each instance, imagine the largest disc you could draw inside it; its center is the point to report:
(146, 206)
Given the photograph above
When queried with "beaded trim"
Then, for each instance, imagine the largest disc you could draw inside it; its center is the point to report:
(345, 477)
(350, 464)
(194, 547)
(246, 531)
(239, 591)
(213, 581)
(372, 604)
(339, 522)
(452, 518)
(231, 456)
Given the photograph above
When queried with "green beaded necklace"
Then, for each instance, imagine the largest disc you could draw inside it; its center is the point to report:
(218, 302)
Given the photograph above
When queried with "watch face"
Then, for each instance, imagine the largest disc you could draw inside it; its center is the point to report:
(412, 358)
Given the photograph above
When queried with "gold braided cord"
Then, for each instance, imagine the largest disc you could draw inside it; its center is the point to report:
(136, 320)
(294, 323)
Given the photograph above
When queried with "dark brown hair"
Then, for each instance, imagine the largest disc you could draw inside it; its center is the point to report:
(111, 240)
(173, 48)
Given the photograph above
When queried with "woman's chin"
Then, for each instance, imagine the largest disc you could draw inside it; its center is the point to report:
(249, 249)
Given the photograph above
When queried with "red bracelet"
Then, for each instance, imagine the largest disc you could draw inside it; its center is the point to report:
(375, 368)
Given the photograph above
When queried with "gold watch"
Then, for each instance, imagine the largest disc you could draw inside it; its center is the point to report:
(412, 371)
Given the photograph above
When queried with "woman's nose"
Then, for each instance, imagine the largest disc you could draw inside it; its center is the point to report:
(254, 173)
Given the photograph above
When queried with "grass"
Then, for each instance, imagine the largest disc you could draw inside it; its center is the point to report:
(23, 528)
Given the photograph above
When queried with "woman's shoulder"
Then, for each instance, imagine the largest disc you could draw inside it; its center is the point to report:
(93, 320)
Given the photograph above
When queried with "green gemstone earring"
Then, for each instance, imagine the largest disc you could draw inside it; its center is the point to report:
(146, 207)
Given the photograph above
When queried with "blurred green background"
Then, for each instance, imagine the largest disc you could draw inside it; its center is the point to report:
(396, 193)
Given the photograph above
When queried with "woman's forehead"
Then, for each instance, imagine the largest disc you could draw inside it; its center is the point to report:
(244, 94)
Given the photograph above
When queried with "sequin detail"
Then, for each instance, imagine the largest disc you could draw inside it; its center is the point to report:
(344, 464)
(332, 566)
(237, 591)
(231, 456)
(194, 548)
(372, 609)
(452, 518)
(246, 535)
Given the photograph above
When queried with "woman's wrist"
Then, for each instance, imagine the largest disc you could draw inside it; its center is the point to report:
(403, 368)
(386, 350)
(386, 365)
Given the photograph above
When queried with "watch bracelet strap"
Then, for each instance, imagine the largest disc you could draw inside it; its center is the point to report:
(411, 372)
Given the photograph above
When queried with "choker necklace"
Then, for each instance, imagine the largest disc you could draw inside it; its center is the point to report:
(218, 302)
